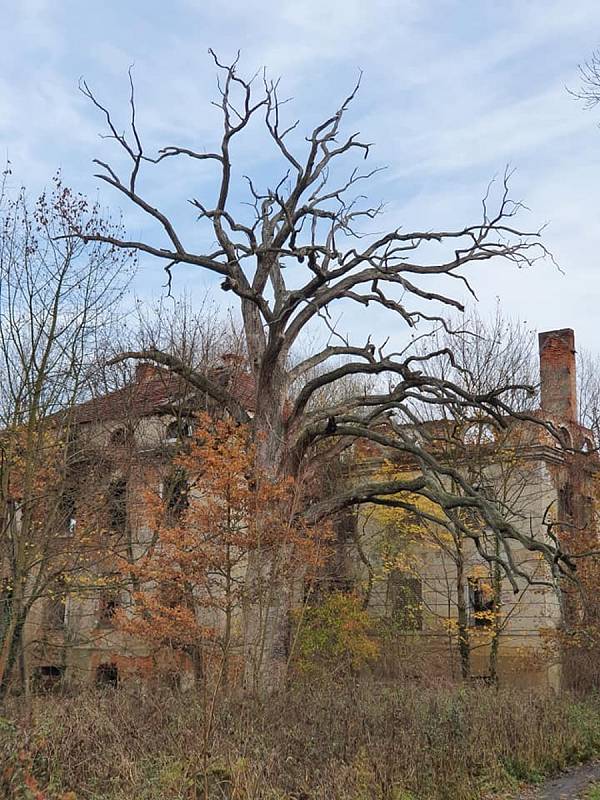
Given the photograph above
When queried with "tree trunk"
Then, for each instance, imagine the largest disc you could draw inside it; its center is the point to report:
(268, 591)
(464, 645)
(496, 627)
(9, 651)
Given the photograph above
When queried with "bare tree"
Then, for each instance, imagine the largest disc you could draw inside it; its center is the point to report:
(589, 87)
(498, 351)
(55, 294)
(299, 252)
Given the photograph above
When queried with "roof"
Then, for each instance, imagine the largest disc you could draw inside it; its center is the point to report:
(156, 389)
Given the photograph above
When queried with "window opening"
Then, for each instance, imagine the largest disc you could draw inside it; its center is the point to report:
(566, 502)
(120, 437)
(56, 613)
(107, 675)
(109, 603)
(179, 429)
(176, 491)
(117, 506)
(481, 601)
(48, 678)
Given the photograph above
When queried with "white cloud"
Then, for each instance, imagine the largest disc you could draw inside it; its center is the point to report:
(453, 90)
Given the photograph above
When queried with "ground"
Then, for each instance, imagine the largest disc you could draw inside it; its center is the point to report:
(581, 783)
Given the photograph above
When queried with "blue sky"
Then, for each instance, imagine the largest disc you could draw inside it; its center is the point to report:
(453, 91)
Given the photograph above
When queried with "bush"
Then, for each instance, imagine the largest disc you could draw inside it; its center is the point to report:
(336, 637)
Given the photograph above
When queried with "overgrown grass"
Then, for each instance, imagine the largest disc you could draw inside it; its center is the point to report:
(338, 742)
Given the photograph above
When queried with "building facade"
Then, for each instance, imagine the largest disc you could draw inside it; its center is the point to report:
(437, 602)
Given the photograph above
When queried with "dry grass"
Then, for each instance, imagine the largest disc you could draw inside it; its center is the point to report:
(342, 742)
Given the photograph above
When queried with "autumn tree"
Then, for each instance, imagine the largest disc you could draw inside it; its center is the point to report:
(302, 242)
(211, 511)
(55, 294)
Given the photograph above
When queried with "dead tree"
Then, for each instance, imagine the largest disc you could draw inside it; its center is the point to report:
(299, 252)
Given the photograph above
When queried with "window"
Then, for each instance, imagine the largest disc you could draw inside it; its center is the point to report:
(405, 600)
(66, 512)
(117, 506)
(55, 613)
(121, 437)
(179, 429)
(48, 678)
(481, 601)
(175, 493)
(107, 675)
(480, 433)
(107, 608)
(565, 502)
(566, 440)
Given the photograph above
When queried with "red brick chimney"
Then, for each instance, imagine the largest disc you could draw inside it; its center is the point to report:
(557, 374)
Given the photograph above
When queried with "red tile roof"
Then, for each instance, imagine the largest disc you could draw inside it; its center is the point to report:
(157, 389)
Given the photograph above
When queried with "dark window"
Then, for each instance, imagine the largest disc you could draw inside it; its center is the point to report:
(565, 502)
(405, 600)
(117, 506)
(121, 437)
(55, 613)
(566, 439)
(176, 491)
(346, 524)
(107, 675)
(66, 512)
(179, 429)
(48, 678)
(481, 601)
(109, 603)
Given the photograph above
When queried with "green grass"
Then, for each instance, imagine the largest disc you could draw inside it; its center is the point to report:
(593, 793)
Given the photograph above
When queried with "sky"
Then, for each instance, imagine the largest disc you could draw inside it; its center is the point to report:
(453, 92)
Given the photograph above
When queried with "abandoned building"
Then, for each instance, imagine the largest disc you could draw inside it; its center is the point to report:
(545, 488)
(432, 591)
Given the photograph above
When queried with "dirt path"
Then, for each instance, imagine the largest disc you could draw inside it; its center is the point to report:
(568, 786)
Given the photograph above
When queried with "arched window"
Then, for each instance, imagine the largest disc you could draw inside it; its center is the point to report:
(55, 612)
(565, 436)
(566, 502)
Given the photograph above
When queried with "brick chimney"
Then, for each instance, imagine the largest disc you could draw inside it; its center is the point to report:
(557, 374)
